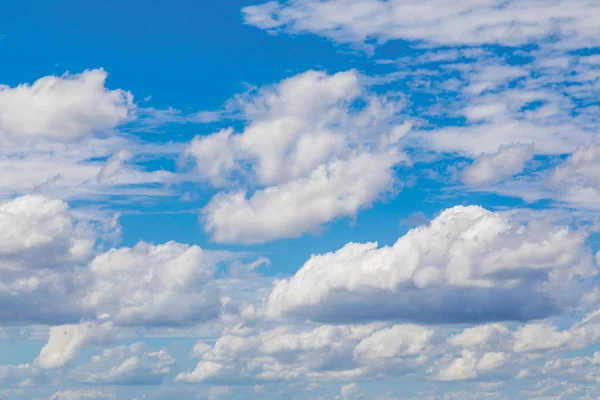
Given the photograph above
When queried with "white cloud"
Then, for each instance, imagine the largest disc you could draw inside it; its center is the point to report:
(37, 232)
(41, 246)
(321, 352)
(47, 257)
(472, 22)
(135, 364)
(22, 375)
(65, 341)
(82, 394)
(318, 147)
(292, 128)
(394, 342)
(506, 162)
(351, 391)
(63, 107)
(576, 180)
(154, 285)
(467, 265)
(527, 342)
(338, 189)
(468, 366)
(478, 336)
(59, 140)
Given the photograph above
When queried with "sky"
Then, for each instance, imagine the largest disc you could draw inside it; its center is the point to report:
(300, 199)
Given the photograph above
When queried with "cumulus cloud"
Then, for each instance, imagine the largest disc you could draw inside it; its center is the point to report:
(576, 180)
(64, 107)
(65, 341)
(434, 21)
(467, 265)
(41, 245)
(468, 365)
(135, 364)
(322, 352)
(318, 147)
(82, 394)
(22, 375)
(154, 284)
(338, 189)
(37, 232)
(59, 139)
(534, 337)
(506, 162)
(51, 274)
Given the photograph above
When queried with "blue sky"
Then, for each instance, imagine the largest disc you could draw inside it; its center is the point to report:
(303, 199)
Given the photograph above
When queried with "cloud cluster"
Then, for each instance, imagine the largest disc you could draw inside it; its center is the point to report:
(51, 273)
(474, 297)
(467, 265)
(135, 364)
(315, 147)
(324, 352)
(440, 22)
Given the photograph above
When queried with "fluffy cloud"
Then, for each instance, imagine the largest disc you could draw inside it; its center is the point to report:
(154, 285)
(318, 146)
(58, 140)
(436, 21)
(323, 352)
(22, 375)
(467, 265)
(535, 337)
(135, 364)
(468, 365)
(82, 394)
(37, 232)
(338, 189)
(63, 107)
(576, 180)
(41, 246)
(65, 341)
(506, 162)
(50, 275)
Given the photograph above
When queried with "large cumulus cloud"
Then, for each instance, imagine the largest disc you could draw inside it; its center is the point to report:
(467, 265)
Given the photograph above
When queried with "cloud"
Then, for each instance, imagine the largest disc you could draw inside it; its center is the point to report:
(82, 394)
(22, 375)
(37, 232)
(135, 364)
(432, 21)
(60, 139)
(467, 265)
(315, 147)
(468, 366)
(65, 341)
(576, 180)
(321, 352)
(338, 189)
(534, 337)
(64, 108)
(41, 247)
(168, 284)
(506, 162)
(47, 258)
(504, 105)
(351, 391)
